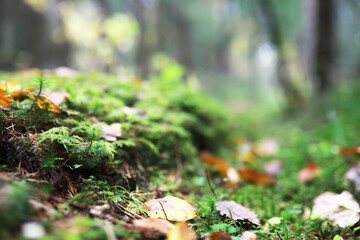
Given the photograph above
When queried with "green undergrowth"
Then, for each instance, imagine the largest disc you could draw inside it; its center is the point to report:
(165, 122)
(314, 134)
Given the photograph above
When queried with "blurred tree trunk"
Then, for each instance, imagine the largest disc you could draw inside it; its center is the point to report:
(272, 24)
(26, 36)
(324, 45)
(319, 42)
(143, 52)
(183, 38)
(173, 25)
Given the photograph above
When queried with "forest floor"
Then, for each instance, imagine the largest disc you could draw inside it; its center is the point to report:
(86, 156)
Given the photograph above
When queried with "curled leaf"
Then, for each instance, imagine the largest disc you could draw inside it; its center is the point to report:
(353, 175)
(111, 132)
(342, 209)
(236, 211)
(57, 97)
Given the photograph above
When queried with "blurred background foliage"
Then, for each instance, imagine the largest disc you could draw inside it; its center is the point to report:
(247, 53)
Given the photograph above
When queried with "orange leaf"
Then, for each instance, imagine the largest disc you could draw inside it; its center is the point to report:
(44, 103)
(218, 236)
(255, 177)
(351, 151)
(307, 174)
(220, 164)
(170, 208)
(21, 94)
(5, 100)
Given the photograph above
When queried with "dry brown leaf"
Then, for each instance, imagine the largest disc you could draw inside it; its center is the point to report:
(111, 132)
(236, 211)
(160, 225)
(220, 164)
(255, 177)
(307, 174)
(5, 100)
(267, 147)
(273, 168)
(342, 209)
(353, 176)
(170, 208)
(247, 235)
(57, 97)
(181, 231)
(351, 151)
(218, 236)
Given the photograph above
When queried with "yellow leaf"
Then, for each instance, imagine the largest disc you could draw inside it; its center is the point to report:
(181, 231)
(170, 208)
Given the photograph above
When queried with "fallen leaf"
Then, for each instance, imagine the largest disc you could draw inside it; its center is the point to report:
(99, 210)
(351, 151)
(245, 151)
(5, 100)
(307, 174)
(22, 94)
(220, 164)
(65, 72)
(342, 209)
(255, 177)
(160, 225)
(42, 101)
(232, 175)
(236, 211)
(267, 147)
(218, 236)
(9, 86)
(170, 208)
(181, 231)
(273, 168)
(353, 176)
(57, 97)
(111, 132)
(247, 235)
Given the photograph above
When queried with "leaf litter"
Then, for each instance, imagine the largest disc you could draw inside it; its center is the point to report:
(342, 209)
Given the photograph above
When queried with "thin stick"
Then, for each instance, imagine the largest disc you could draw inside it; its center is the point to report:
(163, 210)
(128, 211)
(209, 181)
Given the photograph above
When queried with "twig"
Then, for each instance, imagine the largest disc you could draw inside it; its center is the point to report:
(178, 161)
(163, 210)
(209, 181)
(128, 211)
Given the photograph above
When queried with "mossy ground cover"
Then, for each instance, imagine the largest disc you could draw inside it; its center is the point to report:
(63, 162)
